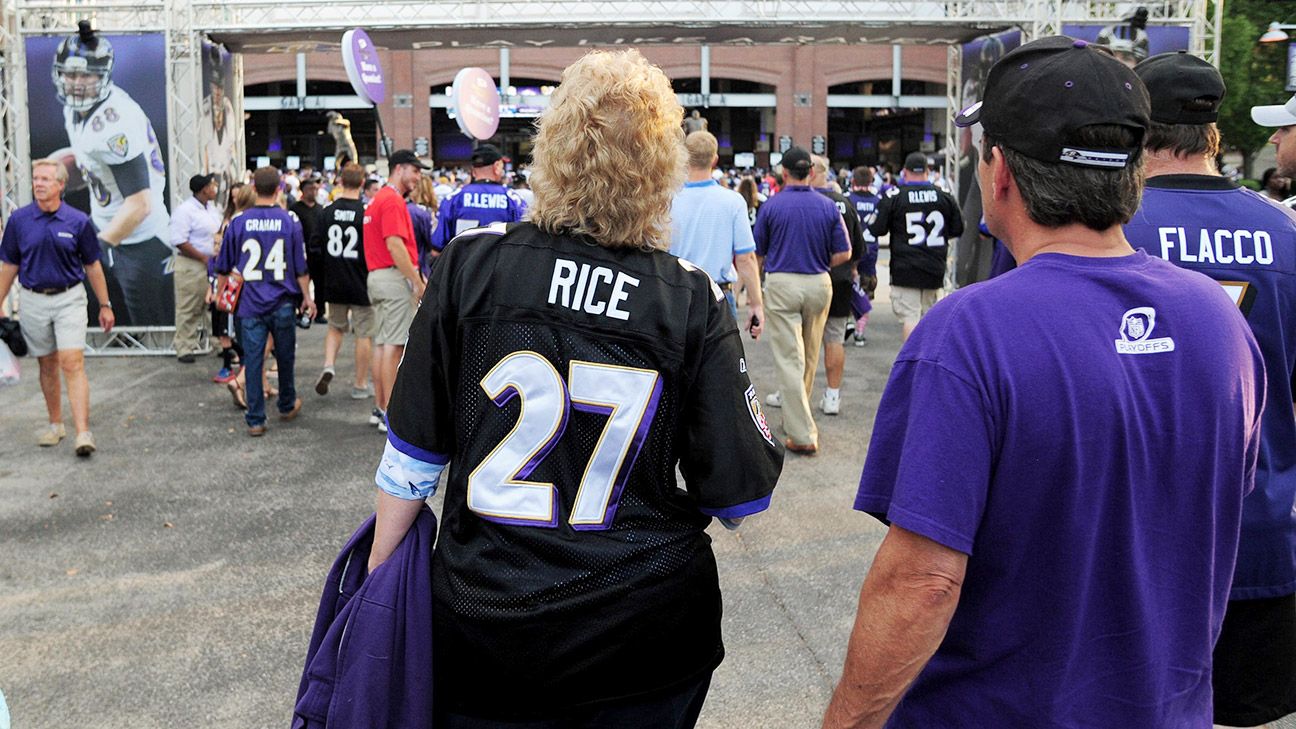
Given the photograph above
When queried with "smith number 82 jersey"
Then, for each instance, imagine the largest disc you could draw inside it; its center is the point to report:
(564, 382)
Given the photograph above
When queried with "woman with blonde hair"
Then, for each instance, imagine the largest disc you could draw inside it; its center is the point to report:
(567, 365)
(422, 206)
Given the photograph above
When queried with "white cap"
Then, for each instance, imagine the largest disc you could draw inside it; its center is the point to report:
(1276, 115)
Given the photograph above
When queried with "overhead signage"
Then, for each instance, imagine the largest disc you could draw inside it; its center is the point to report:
(363, 67)
(475, 101)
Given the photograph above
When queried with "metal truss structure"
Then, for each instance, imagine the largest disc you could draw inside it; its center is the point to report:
(134, 341)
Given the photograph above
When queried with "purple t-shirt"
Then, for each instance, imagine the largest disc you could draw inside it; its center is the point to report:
(1085, 429)
(798, 230)
(1248, 243)
(51, 250)
(264, 245)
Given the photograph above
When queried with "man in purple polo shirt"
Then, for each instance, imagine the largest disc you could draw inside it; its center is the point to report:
(1193, 217)
(264, 245)
(1062, 451)
(51, 248)
(799, 237)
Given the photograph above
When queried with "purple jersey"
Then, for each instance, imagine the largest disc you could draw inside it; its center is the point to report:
(1085, 430)
(477, 205)
(1248, 244)
(264, 245)
(866, 202)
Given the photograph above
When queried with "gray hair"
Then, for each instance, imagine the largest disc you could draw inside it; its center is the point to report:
(1058, 194)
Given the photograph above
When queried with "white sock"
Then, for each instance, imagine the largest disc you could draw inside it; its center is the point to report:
(833, 391)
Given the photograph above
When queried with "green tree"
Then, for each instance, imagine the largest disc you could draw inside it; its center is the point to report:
(1253, 72)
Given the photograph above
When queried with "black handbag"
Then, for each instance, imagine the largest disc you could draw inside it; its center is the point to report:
(11, 335)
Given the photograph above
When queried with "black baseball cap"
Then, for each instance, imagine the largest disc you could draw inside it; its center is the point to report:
(1178, 81)
(796, 158)
(198, 182)
(405, 157)
(485, 155)
(916, 162)
(1040, 95)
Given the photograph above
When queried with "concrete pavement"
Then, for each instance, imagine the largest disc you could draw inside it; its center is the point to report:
(171, 580)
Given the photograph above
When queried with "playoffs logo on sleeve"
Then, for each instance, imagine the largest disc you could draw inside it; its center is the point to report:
(754, 409)
(1136, 329)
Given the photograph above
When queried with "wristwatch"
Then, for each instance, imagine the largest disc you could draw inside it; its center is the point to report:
(105, 305)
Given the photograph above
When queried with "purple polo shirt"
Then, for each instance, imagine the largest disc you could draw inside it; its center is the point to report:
(264, 244)
(1085, 430)
(51, 250)
(798, 230)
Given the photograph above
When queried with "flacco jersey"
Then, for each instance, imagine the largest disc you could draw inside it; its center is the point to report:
(114, 133)
(565, 382)
(1248, 244)
(476, 205)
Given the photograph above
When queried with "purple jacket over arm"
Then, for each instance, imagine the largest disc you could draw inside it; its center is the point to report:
(370, 657)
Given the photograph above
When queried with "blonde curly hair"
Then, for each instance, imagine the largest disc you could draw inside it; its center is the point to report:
(609, 154)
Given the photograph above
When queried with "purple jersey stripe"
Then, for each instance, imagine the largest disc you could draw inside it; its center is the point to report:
(414, 451)
(739, 510)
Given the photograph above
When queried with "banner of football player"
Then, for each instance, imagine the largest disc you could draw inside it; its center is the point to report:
(978, 56)
(98, 104)
(219, 125)
(1130, 42)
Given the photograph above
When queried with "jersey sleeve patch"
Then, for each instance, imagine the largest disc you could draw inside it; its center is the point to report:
(688, 265)
(119, 145)
(409, 472)
(758, 417)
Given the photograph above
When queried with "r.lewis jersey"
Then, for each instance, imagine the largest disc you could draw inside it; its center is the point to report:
(477, 205)
(921, 220)
(565, 382)
(345, 279)
(112, 134)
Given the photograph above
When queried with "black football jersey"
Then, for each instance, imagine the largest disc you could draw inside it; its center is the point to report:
(340, 238)
(564, 382)
(922, 220)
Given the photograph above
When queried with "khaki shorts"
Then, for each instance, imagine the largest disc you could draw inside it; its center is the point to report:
(361, 318)
(910, 305)
(835, 329)
(392, 300)
(51, 322)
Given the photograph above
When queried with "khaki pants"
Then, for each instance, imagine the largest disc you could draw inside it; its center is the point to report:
(190, 303)
(796, 307)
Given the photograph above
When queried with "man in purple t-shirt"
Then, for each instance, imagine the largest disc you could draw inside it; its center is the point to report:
(264, 246)
(1061, 452)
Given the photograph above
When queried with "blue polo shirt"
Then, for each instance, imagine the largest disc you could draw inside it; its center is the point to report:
(51, 250)
(798, 230)
(709, 226)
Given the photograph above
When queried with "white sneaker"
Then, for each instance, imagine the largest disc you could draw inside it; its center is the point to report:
(830, 404)
(774, 400)
(50, 435)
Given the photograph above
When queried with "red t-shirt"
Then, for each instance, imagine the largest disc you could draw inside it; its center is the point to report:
(385, 217)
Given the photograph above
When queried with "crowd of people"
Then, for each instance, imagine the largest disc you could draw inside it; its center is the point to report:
(1086, 465)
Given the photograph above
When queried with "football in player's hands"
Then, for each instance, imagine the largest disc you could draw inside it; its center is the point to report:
(74, 179)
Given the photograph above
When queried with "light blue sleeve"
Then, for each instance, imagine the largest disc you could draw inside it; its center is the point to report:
(408, 472)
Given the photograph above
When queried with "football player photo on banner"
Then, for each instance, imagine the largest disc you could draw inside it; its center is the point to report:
(97, 103)
(219, 126)
(978, 56)
(1132, 41)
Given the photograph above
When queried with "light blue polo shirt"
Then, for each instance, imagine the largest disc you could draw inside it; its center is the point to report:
(709, 226)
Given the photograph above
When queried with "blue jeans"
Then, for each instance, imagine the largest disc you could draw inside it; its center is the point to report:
(253, 331)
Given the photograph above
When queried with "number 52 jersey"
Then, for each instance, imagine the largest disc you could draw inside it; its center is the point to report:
(563, 383)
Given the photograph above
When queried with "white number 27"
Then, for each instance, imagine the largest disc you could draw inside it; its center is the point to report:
(498, 488)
